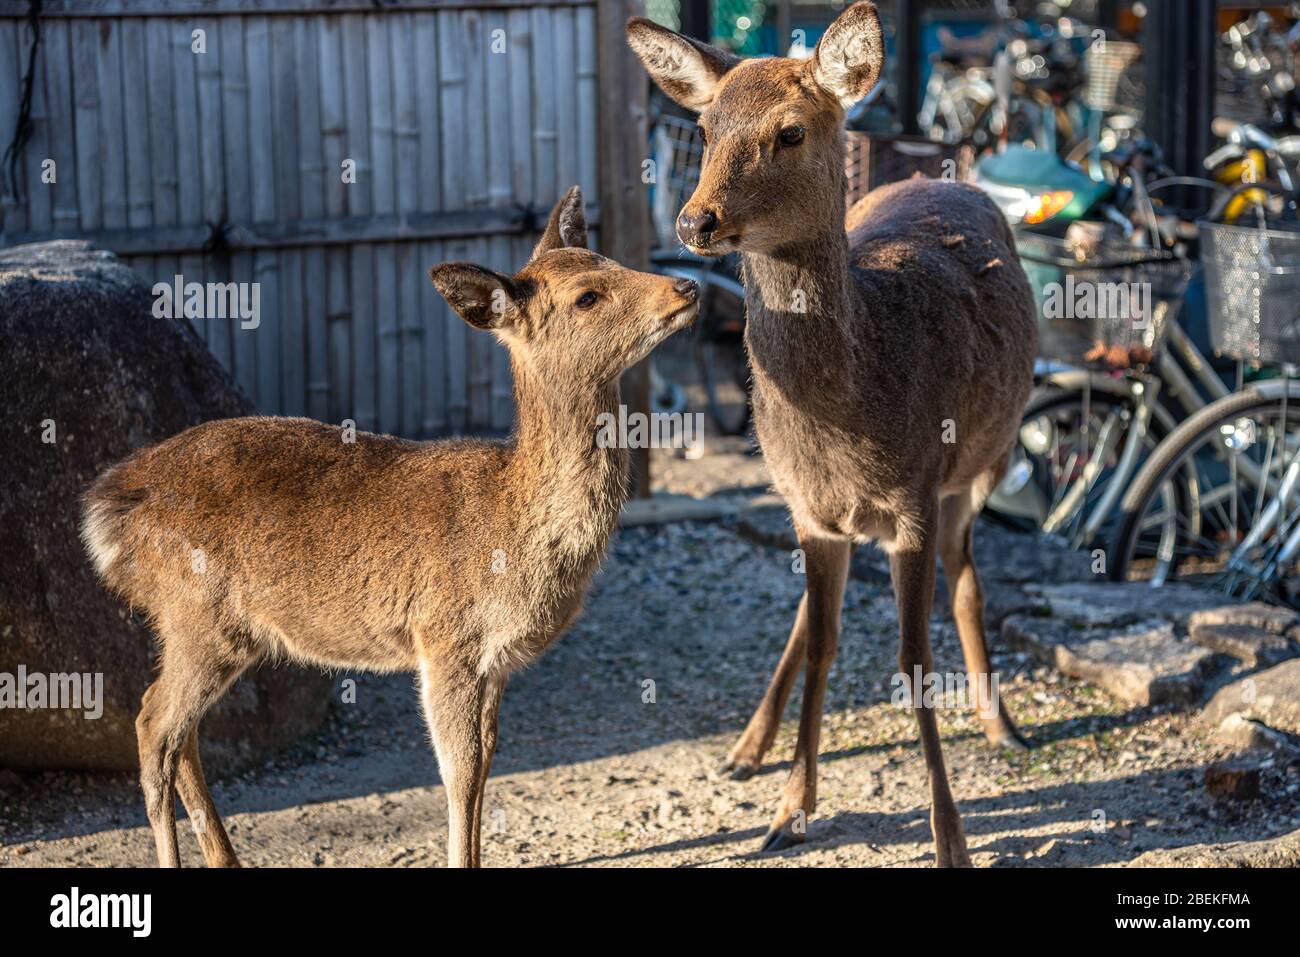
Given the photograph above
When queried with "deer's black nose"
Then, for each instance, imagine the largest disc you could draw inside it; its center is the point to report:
(687, 288)
(695, 229)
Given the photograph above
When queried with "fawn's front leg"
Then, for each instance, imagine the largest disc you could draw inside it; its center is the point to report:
(488, 735)
(913, 571)
(827, 571)
(453, 707)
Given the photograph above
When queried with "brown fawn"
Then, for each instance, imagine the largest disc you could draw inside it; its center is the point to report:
(462, 560)
(892, 353)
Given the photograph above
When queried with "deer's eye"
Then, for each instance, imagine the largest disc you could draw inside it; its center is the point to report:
(586, 300)
(791, 136)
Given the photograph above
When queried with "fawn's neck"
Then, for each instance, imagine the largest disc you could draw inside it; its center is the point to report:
(565, 490)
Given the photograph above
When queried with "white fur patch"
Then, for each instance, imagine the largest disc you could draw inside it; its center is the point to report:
(98, 537)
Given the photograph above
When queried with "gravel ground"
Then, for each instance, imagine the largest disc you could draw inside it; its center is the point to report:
(591, 771)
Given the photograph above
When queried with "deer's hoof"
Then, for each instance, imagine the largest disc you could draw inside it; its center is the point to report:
(1008, 739)
(737, 770)
(780, 839)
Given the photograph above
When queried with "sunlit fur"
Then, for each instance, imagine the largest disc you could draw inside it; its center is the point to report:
(254, 538)
(892, 352)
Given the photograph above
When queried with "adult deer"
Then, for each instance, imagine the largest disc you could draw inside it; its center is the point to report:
(892, 353)
(463, 560)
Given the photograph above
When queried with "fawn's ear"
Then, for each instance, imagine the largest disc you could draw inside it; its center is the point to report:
(850, 55)
(568, 224)
(685, 69)
(483, 298)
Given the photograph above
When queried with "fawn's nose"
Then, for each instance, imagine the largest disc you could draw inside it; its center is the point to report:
(696, 229)
(688, 289)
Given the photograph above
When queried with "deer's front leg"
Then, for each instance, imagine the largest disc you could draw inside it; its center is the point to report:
(827, 569)
(453, 707)
(746, 756)
(913, 572)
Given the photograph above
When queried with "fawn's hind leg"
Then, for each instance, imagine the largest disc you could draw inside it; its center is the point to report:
(956, 522)
(196, 671)
(193, 789)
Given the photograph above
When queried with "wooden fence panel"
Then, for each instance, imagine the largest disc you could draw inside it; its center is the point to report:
(208, 139)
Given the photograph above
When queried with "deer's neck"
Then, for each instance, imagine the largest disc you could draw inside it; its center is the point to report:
(563, 490)
(801, 304)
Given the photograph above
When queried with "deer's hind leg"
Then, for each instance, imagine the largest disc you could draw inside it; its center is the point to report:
(956, 543)
(198, 664)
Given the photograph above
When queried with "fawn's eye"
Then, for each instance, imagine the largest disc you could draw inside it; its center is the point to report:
(586, 300)
(791, 136)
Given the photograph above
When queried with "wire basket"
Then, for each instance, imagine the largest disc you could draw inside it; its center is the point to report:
(1105, 308)
(1107, 65)
(1252, 291)
(678, 149)
(871, 161)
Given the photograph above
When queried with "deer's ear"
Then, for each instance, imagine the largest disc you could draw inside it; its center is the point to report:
(483, 298)
(685, 69)
(567, 226)
(850, 55)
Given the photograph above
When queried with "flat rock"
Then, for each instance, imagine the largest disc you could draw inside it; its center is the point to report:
(1144, 662)
(1282, 851)
(1252, 614)
(1271, 697)
(1247, 643)
(1246, 734)
(1116, 604)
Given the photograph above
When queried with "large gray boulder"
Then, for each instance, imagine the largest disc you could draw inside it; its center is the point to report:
(84, 363)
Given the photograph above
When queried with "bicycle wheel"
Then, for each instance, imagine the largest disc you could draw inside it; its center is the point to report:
(1238, 449)
(1062, 469)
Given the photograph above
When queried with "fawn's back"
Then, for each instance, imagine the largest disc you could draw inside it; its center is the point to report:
(283, 529)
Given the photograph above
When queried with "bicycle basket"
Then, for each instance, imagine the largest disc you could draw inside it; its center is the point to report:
(678, 149)
(872, 160)
(1106, 308)
(1107, 63)
(1252, 290)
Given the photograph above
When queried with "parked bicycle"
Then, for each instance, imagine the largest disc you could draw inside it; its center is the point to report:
(1233, 520)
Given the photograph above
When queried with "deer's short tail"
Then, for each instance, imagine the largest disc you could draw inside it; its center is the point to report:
(105, 509)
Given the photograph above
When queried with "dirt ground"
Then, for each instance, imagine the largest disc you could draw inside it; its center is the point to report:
(596, 767)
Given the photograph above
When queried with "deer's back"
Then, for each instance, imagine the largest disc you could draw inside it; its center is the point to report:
(948, 306)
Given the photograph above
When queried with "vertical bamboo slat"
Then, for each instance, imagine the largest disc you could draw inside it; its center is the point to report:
(148, 133)
(38, 195)
(311, 174)
(57, 67)
(135, 94)
(162, 116)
